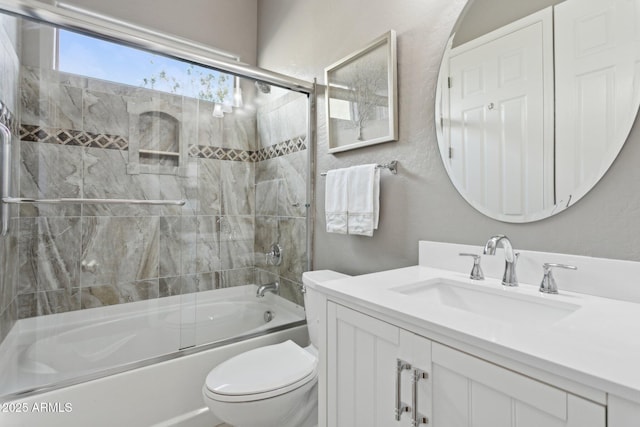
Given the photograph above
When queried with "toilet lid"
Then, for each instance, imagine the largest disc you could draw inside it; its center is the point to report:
(283, 367)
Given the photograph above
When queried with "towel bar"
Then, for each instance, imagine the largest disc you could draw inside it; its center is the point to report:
(392, 166)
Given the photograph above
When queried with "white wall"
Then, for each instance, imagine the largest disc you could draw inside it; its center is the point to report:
(484, 16)
(301, 37)
(230, 25)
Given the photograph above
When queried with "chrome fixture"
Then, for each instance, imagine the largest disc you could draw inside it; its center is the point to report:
(510, 257)
(263, 87)
(269, 287)
(274, 256)
(70, 201)
(401, 407)
(268, 316)
(548, 285)
(416, 417)
(392, 166)
(5, 184)
(237, 94)
(476, 271)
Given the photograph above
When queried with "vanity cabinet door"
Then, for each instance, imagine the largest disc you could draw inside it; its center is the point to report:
(470, 392)
(362, 361)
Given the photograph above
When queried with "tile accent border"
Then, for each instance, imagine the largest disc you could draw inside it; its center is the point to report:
(292, 145)
(34, 133)
(219, 153)
(289, 146)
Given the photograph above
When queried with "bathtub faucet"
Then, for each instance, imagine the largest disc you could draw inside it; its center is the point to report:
(271, 287)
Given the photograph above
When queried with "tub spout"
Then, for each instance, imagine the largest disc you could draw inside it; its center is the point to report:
(270, 287)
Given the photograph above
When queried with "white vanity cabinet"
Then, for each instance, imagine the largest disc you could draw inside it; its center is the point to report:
(452, 388)
(364, 357)
(469, 392)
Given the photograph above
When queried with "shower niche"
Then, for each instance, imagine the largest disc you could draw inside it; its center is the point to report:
(156, 138)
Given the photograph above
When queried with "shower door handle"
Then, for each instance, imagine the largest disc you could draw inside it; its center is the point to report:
(5, 178)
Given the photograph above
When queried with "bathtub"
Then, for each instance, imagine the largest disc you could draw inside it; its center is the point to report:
(49, 352)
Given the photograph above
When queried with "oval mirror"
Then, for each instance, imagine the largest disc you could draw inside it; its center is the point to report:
(535, 100)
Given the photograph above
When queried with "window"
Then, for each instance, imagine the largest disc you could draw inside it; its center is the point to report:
(100, 59)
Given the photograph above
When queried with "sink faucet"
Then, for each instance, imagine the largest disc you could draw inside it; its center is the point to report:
(510, 257)
(271, 287)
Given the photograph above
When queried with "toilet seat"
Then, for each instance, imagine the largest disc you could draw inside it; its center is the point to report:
(261, 373)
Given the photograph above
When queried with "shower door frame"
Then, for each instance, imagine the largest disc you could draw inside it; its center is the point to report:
(110, 29)
(122, 32)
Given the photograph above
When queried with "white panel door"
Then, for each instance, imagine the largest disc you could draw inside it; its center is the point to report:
(500, 117)
(470, 392)
(596, 62)
(362, 356)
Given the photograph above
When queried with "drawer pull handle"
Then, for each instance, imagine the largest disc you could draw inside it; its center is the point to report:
(401, 407)
(416, 418)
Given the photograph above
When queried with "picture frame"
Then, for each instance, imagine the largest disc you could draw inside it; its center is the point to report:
(361, 100)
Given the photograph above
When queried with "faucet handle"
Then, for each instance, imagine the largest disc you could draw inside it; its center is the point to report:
(476, 270)
(548, 284)
(274, 256)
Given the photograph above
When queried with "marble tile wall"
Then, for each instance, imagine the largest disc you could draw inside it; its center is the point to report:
(282, 118)
(9, 116)
(75, 134)
(281, 194)
(77, 257)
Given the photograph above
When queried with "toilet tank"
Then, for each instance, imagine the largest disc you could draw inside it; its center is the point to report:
(310, 280)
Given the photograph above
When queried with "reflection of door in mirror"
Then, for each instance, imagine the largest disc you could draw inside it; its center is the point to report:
(590, 53)
(500, 114)
(595, 45)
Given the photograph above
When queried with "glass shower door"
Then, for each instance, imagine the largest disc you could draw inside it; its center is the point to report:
(102, 280)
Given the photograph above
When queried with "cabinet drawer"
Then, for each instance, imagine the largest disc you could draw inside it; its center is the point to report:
(539, 395)
(368, 324)
(473, 392)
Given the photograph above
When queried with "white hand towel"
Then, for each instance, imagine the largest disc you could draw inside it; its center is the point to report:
(336, 201)
(363, 199)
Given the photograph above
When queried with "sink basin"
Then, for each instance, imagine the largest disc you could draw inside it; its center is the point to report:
(507, 305)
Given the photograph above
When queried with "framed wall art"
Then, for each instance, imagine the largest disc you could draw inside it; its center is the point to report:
(361, 96)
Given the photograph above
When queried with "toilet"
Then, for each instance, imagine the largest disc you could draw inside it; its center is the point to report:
(274, 385)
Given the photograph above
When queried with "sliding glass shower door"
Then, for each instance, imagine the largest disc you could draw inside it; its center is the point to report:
(146, 194)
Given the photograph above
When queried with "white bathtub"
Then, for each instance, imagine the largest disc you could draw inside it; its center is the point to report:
(165, 394)
(47, 351)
